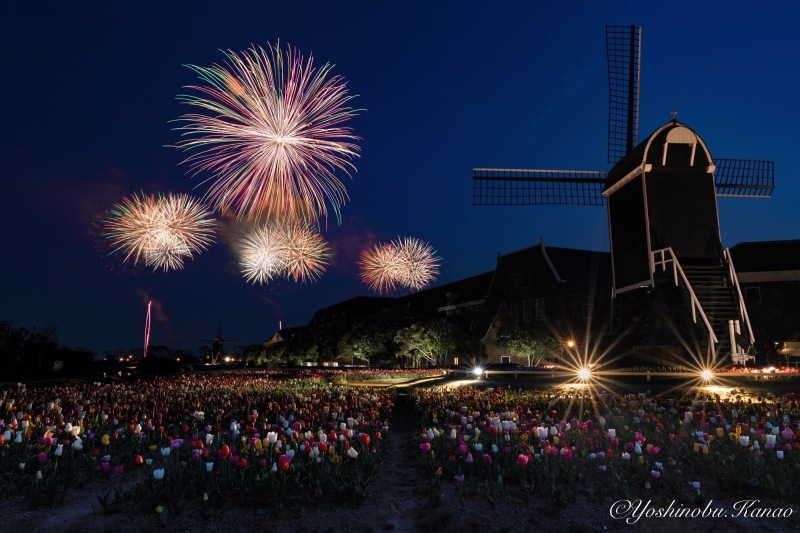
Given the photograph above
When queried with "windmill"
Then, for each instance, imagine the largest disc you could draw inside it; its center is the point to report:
(661, 202)
(218, 344)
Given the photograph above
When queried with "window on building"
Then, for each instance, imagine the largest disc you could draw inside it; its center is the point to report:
(514, 281)
(752, 295)
(505, 359)
(515, 311)
(588, 311)
(526, 279)
(527, 313)
(540, 309)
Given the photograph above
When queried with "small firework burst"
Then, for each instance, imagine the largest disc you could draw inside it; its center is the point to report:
(262, 255)
(418, 260)
(307, 252)
(268, 130)
(380, 268)
(405, 262)
(290, 250)
(161, 231)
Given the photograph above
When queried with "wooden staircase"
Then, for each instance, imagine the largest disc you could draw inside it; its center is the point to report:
(714, 290)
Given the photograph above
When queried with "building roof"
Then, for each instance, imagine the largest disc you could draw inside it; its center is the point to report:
(454, 293)
(356, 306)
(766, 256)
(584, 270)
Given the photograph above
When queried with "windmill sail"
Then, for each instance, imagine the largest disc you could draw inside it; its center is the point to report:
(623, 49)
(744, 178)
(505, 186)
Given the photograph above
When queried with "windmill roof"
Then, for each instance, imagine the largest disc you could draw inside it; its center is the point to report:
(643, 153)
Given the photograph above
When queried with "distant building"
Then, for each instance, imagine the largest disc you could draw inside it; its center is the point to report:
(567, 294)
(769, 273)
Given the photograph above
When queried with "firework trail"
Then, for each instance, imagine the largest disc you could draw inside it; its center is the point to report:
(160, 231)
(263, 255)
(405, 262)
(268, 131)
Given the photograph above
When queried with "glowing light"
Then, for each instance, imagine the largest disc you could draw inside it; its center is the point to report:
(570, 343)
(584, 374)
(268, 132)
(707, 375)
(160, 231)
(477, 371)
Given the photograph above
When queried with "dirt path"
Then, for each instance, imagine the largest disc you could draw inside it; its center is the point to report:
(399, 493)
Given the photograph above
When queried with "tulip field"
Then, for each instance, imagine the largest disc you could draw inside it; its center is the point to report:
(262, 441)
(555, 444)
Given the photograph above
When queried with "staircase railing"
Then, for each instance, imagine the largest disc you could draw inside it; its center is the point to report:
(667, 256)
(742, 306)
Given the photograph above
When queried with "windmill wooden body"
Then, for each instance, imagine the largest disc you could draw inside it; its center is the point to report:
(662, 205)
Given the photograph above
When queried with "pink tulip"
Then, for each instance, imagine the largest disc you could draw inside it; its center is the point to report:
(487, 459)
(523, 459)
(425, 447)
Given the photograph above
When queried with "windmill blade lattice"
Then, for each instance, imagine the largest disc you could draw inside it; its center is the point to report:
(624, 52)
(503, 186)
(744, 178)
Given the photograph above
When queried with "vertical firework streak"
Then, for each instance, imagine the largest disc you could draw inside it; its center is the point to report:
(161, 231)
(269, 134)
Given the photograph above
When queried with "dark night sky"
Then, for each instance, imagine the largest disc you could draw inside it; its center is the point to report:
(447, 86)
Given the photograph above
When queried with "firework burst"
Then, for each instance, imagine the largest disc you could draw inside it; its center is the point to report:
(380, 268)
(269, 132)
(289, 250)
(160, 231)
(405, 262)
(419, 264)
(307, 252)
(263, 255)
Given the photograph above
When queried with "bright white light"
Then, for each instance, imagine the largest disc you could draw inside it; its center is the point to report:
(584, 374)
(707, 375)
(477, 371)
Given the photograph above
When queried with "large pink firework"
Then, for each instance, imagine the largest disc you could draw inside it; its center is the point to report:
(162, 231)
(268, 132)
(405, 262)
